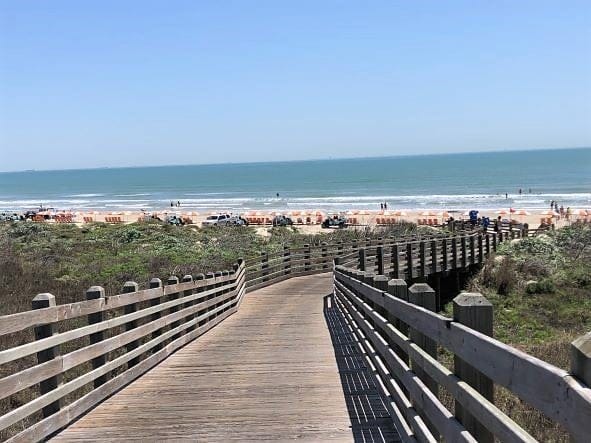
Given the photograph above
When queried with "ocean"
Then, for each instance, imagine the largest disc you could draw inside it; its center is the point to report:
(447, 181)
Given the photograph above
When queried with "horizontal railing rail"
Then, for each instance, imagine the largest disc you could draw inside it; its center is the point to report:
(400, 333)
(111, 341)
(68, 358)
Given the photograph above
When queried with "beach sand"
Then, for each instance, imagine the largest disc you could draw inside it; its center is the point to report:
(363, 218)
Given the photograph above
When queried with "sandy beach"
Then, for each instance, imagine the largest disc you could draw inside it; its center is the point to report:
(309, 221)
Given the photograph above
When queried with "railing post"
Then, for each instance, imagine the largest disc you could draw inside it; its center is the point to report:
(173, 280)
(500, 237)
(96, 293)
(339, 248)
(580, 358)
(472, 249)
(480, 248)
(421, 294)
(476, 312)
(306, 257)
(398, 288)
(454, 252)
(409, 261)
(464, 252)
(380, 260)
(423, 258)
(434, 258)
(131, 286)
(494, 237)
(324, 255)
(580, 367)
(444, 254)
(188, 279)
(286, 260)
(43, 331)
(395, 261)
(487, 242)
(361, 265)
(265, 265)
(155, 283)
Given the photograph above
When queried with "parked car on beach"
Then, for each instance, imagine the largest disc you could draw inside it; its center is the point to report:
(335, 221)
(224, 220)
(282, 220)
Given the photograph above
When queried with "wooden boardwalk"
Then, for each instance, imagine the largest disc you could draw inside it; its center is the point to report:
(284, 367)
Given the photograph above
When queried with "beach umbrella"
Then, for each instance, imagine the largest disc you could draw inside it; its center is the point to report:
(428, 214)
(581, 212)
(502, 212)
(521, 212)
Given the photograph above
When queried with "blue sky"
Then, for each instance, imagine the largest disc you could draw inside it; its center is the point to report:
(123, 83)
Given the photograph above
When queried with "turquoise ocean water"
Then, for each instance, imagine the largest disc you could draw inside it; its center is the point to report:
(450, 181)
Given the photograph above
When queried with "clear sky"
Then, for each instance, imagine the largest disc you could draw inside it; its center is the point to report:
(123, 83)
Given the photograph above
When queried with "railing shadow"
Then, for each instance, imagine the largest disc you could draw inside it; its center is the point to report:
(370, 420)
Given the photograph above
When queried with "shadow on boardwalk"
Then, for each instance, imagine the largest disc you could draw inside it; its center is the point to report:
(370, 419)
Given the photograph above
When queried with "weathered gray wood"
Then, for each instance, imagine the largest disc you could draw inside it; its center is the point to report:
(422, 259)
(464, 252)
(187, 279)
(454, 252)
(154, 284)
(409, 262)
(380, 260)
(395, 261)
(286, 260)
(361, 263)
(94, 293)
(131, 286)
(41, 332)
(580, 358)
(173, 281)
(434, 257)
(476, 312)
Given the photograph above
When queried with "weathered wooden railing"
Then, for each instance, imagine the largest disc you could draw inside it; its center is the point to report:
(407, 257)
(400, 335)
(112, 341)
(80, 353)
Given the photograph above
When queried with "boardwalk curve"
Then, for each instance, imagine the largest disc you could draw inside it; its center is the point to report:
(283, 367)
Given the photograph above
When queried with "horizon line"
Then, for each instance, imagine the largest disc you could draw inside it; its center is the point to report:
(433, 154)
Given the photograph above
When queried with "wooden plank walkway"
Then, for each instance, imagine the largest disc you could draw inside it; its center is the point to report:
(284, 367)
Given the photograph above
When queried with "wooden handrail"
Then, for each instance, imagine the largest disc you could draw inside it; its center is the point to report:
(378, 315)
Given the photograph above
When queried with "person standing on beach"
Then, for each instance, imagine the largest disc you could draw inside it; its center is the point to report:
(382, 206)
(385, 205)
(506, 196)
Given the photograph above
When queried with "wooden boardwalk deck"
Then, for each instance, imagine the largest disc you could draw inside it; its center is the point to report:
(284, 367)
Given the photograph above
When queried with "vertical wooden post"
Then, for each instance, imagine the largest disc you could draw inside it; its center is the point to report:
(500, 237)
(480, 248)
(423, 258)
(156, 283)
(472, 249)
(324, 251)
(476, 312)
(395, 261)
(43, 331)
(580, 367)
(286, 260)
(380, 282)
(580, 358)
(409, 261)
(339, 248)
(434, 258)
(494, 241)
(444, 254)
(487, 241)
(131, 286)
(264, 265)
(464, 253)
(173, 280)
(306, 257)
(380, 260)
(454, 252)
(421, 294)
(188, 279)
(96, 293)
(397, 288)
(361, 264)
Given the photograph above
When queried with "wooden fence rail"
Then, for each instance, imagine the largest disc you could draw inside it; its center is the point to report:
(83, 352)
(400, 334)
(118, 345)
